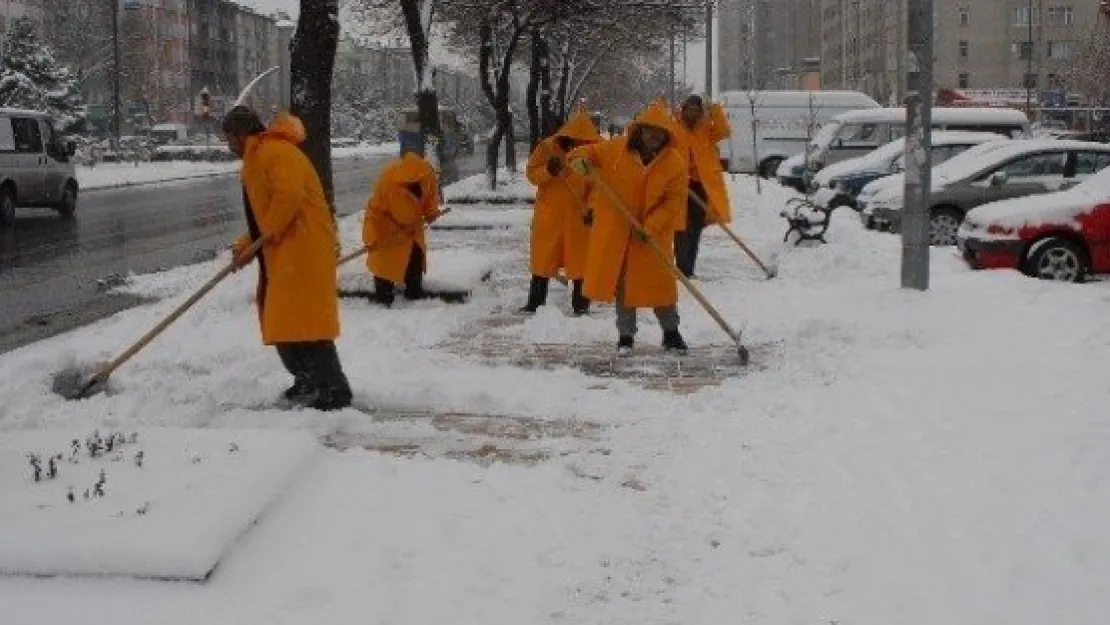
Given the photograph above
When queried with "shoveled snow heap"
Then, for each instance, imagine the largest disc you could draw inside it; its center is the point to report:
(512, 188)
(899, 457)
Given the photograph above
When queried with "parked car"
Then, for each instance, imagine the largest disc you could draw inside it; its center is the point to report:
(886, 185)
(1059, 236)
(839, 184)
(854, 134)
(36, 168)
(1026, 167)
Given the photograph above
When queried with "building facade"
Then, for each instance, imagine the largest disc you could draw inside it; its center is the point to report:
(768, 44)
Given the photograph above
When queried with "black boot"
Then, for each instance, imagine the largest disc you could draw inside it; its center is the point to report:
(383, 292)
(537, 294)
(625, 345)
(673, 342)
(300, 388)
(579, 303)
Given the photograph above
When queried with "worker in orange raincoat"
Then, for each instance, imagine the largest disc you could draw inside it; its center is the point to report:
(647, 173)
(560, 230)
(297, 297)
(405, 198)
(697, 138)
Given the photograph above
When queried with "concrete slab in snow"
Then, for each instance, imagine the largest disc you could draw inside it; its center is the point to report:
(174, 518)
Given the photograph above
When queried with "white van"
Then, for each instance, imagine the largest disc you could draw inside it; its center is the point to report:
(36, 169)
(856, 133)
(784, 122)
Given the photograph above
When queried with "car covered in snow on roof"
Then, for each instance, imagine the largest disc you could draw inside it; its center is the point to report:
(840, 183)
(1059, 236)
(1023, 168)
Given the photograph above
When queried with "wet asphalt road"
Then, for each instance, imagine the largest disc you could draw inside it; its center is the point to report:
(50, 267)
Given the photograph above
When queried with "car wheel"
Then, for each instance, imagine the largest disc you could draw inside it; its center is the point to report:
(1058, 259)
(68, 204)
(7, 206)
(944, 223)
(768, 167)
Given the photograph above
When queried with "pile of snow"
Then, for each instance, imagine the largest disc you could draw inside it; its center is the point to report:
(884, 461)
(512, 188)
(152, 503)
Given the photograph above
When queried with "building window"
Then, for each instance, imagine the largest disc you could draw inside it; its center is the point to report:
(964, 81)
(963, 49)
(965, 18)
(1061, 16)
(1021, 16)
(1023, 50)
(1059, 50)
(1030, 81)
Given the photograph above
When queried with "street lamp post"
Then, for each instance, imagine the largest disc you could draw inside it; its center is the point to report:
(918, 178)
(1029, 61)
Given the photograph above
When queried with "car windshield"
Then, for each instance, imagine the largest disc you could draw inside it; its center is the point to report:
(967, 160)
(824, 136)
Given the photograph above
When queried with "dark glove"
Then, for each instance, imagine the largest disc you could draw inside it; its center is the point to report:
(588, 217)
(642, 235)
(554, 165)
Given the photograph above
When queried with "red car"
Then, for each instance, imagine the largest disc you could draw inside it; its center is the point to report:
(1059, 236)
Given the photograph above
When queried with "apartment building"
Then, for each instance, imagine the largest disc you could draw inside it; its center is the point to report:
(999, 46)
(257, 45)
(768, 44)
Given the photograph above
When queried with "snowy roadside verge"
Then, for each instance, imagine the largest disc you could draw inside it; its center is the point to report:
(902, 457)
(119, 175)
(512, 188)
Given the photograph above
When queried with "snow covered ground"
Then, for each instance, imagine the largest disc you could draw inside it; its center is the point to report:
(512, 188)
(892, 457)
(108, 175)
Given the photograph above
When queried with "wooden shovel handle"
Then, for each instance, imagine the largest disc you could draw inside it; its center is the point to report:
(366, 249)
(145, 340)
(690, 286)
(732, 235)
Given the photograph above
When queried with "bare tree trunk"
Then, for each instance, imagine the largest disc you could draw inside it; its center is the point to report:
(427, 100)
(498, 96)
(531, 96)
(564, 86)
(313, 59)
(548, 125)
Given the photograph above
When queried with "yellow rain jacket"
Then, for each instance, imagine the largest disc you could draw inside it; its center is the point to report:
(699, 146)
(559, 232)
(395, 216)
(297, 292)
(655, 194)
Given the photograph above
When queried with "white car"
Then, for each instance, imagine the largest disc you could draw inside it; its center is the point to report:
(840, 183)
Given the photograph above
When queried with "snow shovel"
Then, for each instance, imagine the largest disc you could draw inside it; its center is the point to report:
(771, 271)
(68, 383)
(741, 351)
(366, 249)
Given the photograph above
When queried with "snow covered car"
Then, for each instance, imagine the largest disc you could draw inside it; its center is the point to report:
(1022, 168)
(1059, 236)
(792, 173)
(840, 183)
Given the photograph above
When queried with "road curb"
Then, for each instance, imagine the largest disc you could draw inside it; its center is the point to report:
(150, 183)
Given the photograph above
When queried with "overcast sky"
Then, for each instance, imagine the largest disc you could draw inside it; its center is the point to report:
(695, 54)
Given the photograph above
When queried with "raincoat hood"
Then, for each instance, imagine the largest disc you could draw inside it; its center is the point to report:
(288, 127)
(657, 115)
(410, 168)
(580, 128)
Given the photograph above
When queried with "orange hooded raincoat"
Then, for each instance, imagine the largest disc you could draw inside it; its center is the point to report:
(655, 194)
(297, 292)
(559, 233)
(395, 216)
(699, 146)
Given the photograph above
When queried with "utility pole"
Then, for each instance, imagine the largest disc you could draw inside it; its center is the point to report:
(709, 50)
(117, 118)
(918, 183)
(1029, 62)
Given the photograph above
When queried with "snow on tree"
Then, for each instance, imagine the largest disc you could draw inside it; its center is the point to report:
(31, 78)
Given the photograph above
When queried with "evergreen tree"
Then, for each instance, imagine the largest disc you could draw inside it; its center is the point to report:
(31, 78)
